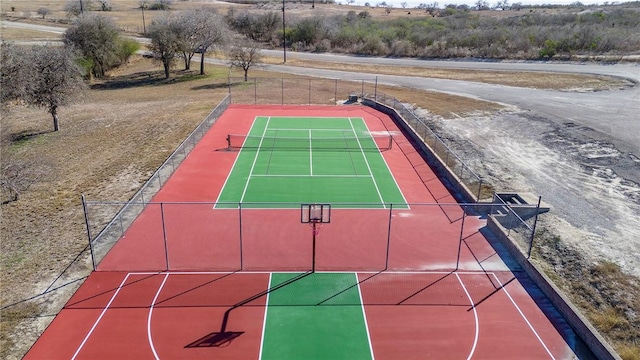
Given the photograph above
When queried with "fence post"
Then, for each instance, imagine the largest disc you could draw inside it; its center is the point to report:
(335, 96)
(86, 222)
(533, 230)
(386, 259)
(375, 90)
(164, 236)
(362, 88)
(464, 213)
(240, 234)
(282, 90)
(255, 91)
(309, 91)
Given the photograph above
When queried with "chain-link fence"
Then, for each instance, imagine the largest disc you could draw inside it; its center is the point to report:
(103, 228)
(109, 221)
(271, 237)
(438, 147)
(297, 91)
(315, 91)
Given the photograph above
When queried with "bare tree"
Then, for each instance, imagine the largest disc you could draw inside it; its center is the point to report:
(245, 56)
(196, 32)
(17, 174)
(13, 72)
(97, 37)
(77, 7)
(212, 30)
(49, 77)
(164, 45)
(43, 11)
(105, 5)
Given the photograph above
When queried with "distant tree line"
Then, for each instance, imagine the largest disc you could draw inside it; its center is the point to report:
(454, 32)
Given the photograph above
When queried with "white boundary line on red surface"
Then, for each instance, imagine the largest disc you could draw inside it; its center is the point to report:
(387, 164)
(364, 315)
(523, 316)
(475, 315)
(122, 284)
(95, 324)
(232, 167)
(366, 161)
(264, 320)
(255, 159)
(153, 349)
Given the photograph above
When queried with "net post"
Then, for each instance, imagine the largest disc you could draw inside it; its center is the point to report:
(86, 223)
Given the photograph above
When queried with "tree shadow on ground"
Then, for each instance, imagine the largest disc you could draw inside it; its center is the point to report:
(26, 135)
(146, 78)
(215, 86)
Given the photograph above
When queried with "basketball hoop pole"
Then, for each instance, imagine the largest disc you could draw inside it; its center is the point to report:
(313, 256)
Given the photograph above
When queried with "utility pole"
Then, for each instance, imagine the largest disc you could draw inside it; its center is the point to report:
(284, 36)
(144, 25)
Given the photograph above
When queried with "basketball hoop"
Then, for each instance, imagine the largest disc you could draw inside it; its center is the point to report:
(315, 215)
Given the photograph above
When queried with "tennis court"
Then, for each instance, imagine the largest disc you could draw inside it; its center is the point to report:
(296, 160)
(219, 265)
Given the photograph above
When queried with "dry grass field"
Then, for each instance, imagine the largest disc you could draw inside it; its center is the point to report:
(128, 123)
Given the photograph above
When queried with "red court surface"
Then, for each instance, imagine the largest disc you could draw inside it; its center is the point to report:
(432, 286)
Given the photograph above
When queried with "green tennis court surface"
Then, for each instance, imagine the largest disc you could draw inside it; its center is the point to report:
(285, 161)
(315, 316)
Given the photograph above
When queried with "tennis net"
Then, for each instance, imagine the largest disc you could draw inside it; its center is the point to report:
(368, 142)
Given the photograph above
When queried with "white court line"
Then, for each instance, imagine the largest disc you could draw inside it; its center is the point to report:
(100, 317)
(310, 154)
(233, 166)
(324, 175)
(388, 168)
(246, 185)
(524, 317)
(419, 272)
(366, 161)
(475, 315)
(336, 130)
(364, 315)
(153, 349)
(264, 321)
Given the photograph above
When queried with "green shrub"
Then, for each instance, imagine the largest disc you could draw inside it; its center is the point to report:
(126, 48)
(549, 49)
